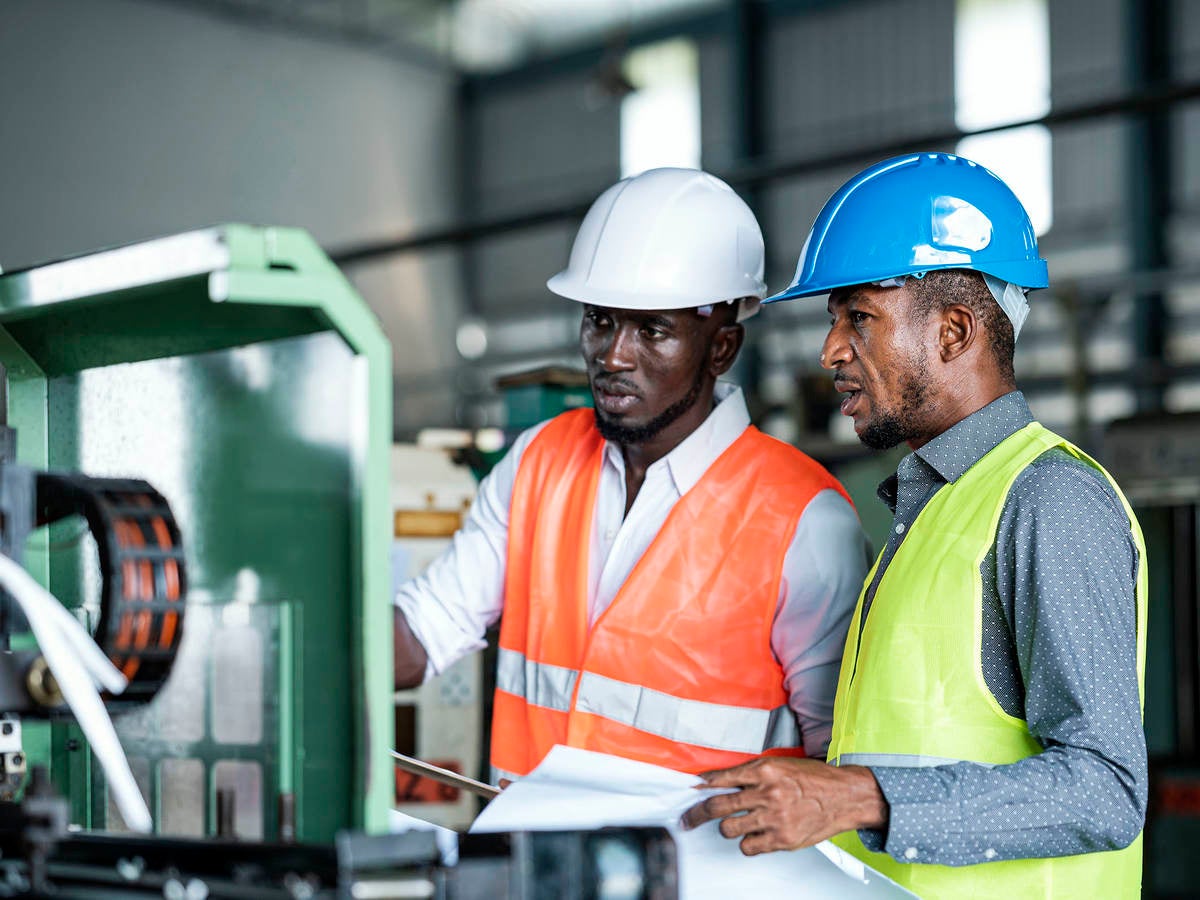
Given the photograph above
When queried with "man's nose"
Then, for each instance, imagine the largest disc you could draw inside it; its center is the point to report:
(616, 353)
(835, 351)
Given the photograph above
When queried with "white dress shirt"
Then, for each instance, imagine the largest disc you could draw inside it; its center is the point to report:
(451, 604)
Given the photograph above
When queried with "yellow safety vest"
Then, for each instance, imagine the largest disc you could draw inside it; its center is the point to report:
(912, 691)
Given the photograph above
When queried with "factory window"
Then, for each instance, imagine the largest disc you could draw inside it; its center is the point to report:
(660, 117)
(1001, 75)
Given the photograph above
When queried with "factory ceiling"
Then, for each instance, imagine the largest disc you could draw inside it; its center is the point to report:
(473, 36)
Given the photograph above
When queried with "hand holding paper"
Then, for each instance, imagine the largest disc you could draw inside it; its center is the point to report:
(578, 789)
(784, 803)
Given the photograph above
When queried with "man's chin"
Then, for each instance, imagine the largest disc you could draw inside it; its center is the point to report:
(881, 434)
(620, 431)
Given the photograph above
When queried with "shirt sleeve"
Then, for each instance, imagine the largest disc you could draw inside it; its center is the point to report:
(823, 574)
(1066, 567)
(460, 594)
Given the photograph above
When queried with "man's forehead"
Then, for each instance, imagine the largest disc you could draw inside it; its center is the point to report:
(843, 295)
(861, 293)
(643, 314)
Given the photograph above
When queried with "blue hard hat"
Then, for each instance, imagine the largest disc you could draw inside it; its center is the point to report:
(913, 214)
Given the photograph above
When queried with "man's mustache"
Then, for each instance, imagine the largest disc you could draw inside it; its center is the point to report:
(614, 384)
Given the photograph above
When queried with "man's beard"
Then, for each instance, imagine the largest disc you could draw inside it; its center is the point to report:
(890, 429)
(640, 434)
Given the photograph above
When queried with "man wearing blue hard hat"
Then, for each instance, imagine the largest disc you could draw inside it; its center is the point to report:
(987, 736)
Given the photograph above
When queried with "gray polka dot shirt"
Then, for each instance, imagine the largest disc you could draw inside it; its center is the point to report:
(1059, 650)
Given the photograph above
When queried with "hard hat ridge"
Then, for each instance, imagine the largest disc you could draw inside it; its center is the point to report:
(913, 214)
(666, 239)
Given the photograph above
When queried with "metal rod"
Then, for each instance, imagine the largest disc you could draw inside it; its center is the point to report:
(754, 174)
(445, 776)
(226, 813)
(1148, 191)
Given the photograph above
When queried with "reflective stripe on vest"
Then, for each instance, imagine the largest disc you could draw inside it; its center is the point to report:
(714, 725)
(539, 683)
(900, 760)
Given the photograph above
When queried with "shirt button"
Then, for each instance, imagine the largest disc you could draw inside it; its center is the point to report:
(900, 528)
(989, 853)
(910, 853)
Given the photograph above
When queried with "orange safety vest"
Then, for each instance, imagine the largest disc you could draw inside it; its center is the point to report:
(678, 671)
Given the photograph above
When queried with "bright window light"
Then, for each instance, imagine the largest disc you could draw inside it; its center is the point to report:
(1001, 75)
(660, 119)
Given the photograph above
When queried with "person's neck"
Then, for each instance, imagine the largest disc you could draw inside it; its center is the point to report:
(641, 456)
(957, 405)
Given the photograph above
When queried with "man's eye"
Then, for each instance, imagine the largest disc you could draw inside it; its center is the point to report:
(653, 333)
(857, 318)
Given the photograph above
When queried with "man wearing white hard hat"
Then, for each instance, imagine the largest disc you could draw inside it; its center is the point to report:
(675, 585)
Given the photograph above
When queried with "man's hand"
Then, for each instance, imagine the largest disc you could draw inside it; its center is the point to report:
(786, 803)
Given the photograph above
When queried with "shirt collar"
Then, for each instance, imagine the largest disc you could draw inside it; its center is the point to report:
(691, 458)
(963, 444)
(955, 450)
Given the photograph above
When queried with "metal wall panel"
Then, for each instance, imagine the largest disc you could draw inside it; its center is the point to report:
(1186, 125)
(515, 267)
(1186, 38)
(144, 119)
(1086, 50)
(1087, 177)
(536, 146)
(1086, 65)
(717, 138)
(544, 143)
(859, 72)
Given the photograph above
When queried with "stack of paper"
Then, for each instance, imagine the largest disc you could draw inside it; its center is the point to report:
(578, 789)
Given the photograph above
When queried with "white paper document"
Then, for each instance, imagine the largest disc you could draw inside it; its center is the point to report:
(579, 789)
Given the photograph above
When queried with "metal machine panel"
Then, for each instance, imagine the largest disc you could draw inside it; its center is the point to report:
(236, 369)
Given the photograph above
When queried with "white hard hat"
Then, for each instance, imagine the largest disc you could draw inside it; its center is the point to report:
(666, 239)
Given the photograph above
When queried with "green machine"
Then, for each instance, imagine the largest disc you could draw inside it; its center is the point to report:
(236, 371)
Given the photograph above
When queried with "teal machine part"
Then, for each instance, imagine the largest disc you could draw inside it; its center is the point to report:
(236, 370)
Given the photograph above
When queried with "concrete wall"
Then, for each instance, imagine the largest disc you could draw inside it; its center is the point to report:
(126, 119)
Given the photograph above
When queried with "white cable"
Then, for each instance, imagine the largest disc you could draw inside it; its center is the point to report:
(74, 679)
(103, 673)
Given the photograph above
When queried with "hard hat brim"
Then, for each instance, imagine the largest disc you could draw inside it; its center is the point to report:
(565, 284)
(1017, 273)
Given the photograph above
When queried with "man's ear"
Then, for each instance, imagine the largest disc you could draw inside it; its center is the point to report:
(723, 350)
(957, 332)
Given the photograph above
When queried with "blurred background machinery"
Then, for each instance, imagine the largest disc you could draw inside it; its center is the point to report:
(447, 720)
(441, 721)
(1157, 460)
